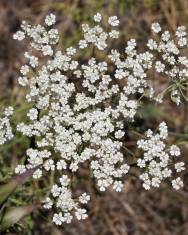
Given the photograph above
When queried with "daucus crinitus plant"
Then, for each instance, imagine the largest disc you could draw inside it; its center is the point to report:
(81, 110)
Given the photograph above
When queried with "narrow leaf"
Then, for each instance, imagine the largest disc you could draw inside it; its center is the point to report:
(14, 214)
(7, 189)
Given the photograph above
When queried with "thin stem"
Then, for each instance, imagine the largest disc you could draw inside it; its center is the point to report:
(137, 133)
(178, 134)
(129, 151)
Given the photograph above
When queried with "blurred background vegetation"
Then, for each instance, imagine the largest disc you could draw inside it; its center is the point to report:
(134, 211)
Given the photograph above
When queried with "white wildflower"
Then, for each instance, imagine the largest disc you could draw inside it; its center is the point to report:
(50, 19)
(156, 162)
(113, 21)
(97, 17)
(177, 183)
(156, 27)
(81, 214)
(19, 35)
(174, 150)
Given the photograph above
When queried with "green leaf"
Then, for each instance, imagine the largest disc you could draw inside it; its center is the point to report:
(14, 214)
(7, 189)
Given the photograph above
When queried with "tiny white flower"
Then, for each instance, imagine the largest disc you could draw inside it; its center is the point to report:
(113, 21)
(177, 183)
(24, 69)
(64, 180)
(97, 17)
(82, 44)
(61, 165)
(114, 34)
(50, 19)
(118, 186)
(20, 169)
(23, 81)
(58, 218)
(156, 27)
(19, 35)
(47, 50)
(49, 165)
(119, 134)
(159, 67)
(67, 218)
(33, 114)
(71, 51)
(37, 174)
(81, 214)
(141, 163)
(175, 151)
(47, 203)
(180, 166)
(9, 111)
(84, 198)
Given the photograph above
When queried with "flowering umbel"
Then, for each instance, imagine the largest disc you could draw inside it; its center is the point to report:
(81, 110)
(158, 161)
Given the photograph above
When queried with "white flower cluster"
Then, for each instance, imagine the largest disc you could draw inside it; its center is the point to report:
(5, 126)
(80, 109)
(97, 35)
(158, 160)
(170, 59)
(82, 121)
(64, 202)
(42, 39)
